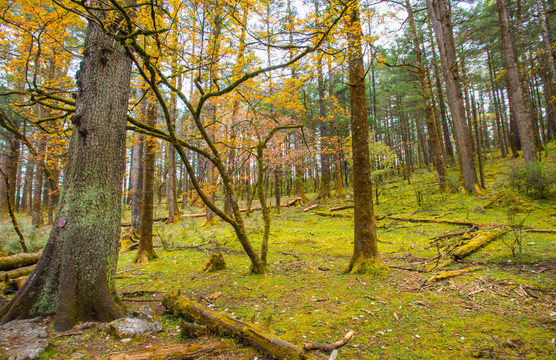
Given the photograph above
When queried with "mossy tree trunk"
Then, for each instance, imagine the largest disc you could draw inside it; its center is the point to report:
(74, 279)
(365, 251)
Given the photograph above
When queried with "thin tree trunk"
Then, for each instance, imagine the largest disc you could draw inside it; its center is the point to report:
(426, 92)
(145, 251)
(365, 252)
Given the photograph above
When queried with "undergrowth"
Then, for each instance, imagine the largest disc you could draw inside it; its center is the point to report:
(503, 311)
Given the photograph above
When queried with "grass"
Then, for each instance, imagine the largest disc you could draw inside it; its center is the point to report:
(504, 311)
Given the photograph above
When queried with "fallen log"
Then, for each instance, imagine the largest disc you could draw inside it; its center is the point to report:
(189, 351)
(436, 221)
(15, 273)
(292, 202)
(476, 243)
(224, 325)
(311, 207)
(251, 209)
(200, 215)
(550, 231)
(322, 213)
(331, 346)
(340, 208)
(450, 274)
(19, 260)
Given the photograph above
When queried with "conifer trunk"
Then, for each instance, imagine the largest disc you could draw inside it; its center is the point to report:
(75, 277)
(441, 23)
(518, 103)
(365, 252)
(145, 251)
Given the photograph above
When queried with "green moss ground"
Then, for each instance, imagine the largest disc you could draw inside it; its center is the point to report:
(504, 311)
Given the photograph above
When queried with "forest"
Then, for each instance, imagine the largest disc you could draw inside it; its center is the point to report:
(290, 179)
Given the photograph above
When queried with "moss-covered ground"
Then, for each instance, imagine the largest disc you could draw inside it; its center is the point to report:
(503, 311)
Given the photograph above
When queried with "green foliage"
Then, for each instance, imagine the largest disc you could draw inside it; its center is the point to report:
(535, 180)
(34, 238)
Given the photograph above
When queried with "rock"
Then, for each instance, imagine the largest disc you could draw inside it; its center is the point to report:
(132, 327)
(145, 313)
(29, 350)
(22, 331)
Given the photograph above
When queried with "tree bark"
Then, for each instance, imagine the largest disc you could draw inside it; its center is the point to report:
(365, 252)
(515, 89)
(442, 26)
(426, 92)
(74, 278)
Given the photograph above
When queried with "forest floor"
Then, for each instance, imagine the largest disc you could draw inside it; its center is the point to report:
(503, 310)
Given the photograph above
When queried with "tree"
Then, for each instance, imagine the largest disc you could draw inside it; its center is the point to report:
(145, 251)
(442, 26)
(426, 92)
(517, 95)
(74, 278)
(365, 251)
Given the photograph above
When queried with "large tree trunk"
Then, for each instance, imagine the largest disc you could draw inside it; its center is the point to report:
(515, 89)
(365, 251)
(442, 26)
(75, 277)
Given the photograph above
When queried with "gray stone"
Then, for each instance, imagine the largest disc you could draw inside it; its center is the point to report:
(145, 313)
(29, 350)
(132, 327)
(28, 329)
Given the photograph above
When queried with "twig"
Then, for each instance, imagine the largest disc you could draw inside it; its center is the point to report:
(331, 346)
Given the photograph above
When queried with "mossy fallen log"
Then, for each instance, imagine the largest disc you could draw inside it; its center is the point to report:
(19, 260)
(15, 273)
(185, 352)
(450, 274)
(476, 243)
(434, 221)
(224, 325)
(340, 215)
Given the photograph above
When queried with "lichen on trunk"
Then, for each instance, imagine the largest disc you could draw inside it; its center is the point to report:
(74, 279)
